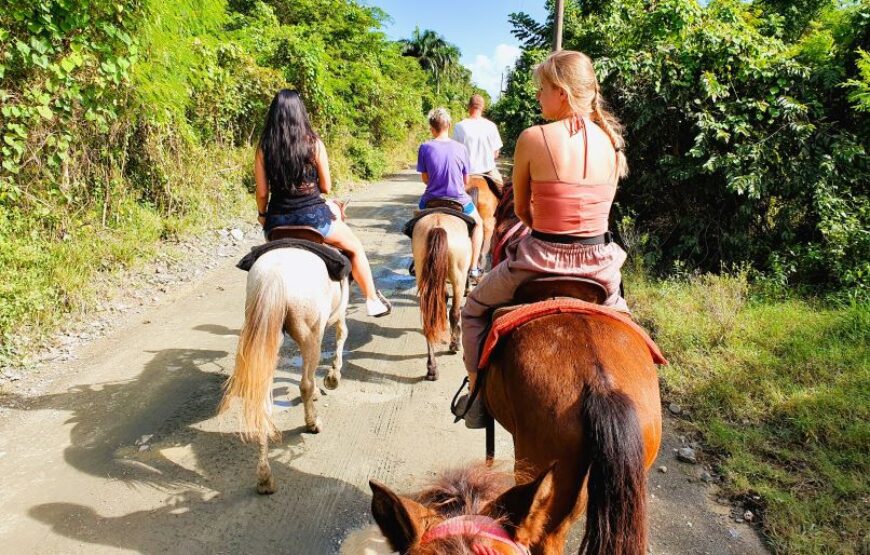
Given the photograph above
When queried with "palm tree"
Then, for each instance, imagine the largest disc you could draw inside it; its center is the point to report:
(433, 52)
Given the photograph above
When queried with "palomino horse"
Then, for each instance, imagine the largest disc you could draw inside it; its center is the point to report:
(487, 203)
(581, 392)
(469, 511)
(289, 290)
(442, 253)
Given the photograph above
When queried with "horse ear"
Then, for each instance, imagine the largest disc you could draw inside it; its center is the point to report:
(400, 519)
(525, 508)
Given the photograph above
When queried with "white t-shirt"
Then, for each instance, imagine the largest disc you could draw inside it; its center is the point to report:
(480, 136)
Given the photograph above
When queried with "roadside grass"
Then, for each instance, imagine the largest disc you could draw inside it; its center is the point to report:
(48, 271)
(779, 389)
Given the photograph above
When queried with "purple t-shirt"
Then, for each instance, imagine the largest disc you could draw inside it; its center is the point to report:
(447, 164)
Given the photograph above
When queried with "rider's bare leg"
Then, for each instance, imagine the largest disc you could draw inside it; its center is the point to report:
(476, 239)
(342, 236)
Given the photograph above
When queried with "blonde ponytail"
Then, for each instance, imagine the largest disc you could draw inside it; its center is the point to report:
(611, 126)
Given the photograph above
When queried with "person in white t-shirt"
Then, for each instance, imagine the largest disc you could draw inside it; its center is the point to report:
(480, 136)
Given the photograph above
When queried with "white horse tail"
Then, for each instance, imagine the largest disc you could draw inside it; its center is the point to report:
(257, 356)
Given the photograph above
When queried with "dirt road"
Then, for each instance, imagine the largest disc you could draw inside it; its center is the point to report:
(122, 452)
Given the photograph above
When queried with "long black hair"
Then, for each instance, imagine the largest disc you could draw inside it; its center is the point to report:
(288, 142)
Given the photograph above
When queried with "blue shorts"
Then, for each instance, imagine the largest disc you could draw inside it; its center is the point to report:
(319, 221)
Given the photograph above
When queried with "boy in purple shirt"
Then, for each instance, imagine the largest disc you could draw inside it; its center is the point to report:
(444, 166)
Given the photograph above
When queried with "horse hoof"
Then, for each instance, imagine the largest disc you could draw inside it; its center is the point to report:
(267, 487)
(316, 427)
(432, 376)
(330, 382)
(454, 347)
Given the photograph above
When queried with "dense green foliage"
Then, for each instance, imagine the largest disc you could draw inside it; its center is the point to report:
(128, 121)
(780, 386)
(747, 126)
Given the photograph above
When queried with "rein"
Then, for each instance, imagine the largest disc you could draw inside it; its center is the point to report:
(478, 526)
(499, 247)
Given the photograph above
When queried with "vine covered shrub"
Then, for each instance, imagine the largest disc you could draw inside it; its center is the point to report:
(125, 122)
(747, 129)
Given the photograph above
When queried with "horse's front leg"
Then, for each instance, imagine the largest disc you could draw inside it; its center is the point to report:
(334, 376)
(265, 481)
(431, 363)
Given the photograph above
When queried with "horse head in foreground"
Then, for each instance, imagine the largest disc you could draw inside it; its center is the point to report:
(579, 390)
(473, 511)
(289, 290)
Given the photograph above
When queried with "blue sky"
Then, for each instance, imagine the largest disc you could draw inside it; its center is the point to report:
(479, 28)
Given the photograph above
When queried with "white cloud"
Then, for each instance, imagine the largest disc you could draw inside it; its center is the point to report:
(487, 71)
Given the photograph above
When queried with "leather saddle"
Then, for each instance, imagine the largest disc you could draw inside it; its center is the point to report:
(448, 203)
(554, 287)
(302, 232)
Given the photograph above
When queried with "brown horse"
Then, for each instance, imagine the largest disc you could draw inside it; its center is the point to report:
(487, 203)
(469, 511)
(442, 253)
(582, 392)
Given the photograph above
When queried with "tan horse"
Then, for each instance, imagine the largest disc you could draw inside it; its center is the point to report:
(487, 203)
(472, 510)
(289, 290)
(581, 392)
(442, 253)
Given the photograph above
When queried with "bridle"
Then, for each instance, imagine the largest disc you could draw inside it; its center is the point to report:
(477, 526)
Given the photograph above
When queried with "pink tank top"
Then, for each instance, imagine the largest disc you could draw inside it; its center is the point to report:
(566, 208)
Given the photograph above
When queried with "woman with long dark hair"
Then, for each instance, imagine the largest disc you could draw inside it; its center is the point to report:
(292, 171)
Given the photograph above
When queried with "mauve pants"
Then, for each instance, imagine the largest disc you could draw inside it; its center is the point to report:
(528, 258)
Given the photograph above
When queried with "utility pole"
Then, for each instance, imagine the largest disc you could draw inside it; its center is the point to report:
(557, 32)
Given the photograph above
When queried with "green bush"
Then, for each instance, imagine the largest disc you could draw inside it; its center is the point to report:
(127, 122)
(747, 129)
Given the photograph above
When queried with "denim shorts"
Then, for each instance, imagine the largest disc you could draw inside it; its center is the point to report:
(319, 217)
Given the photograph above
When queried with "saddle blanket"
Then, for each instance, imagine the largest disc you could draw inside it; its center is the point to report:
(503, 326)
(409, 227)
(337, 264)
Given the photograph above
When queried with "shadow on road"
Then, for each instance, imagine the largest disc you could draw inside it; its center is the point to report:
(147, 434)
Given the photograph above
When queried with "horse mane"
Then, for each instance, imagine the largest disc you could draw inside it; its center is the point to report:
(465, 491)
(505, 219)
(504, 213)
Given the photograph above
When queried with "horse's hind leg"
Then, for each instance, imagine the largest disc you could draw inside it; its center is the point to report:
(455, 309)
(431, 363)
(331, 380)
(265, 481)
(310, 347)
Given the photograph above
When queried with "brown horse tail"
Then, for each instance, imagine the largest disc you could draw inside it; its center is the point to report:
(616, 517)
(257, 356)
(432, 289)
